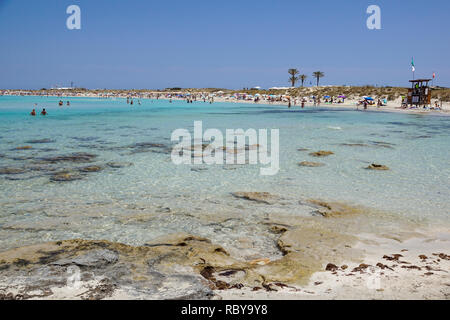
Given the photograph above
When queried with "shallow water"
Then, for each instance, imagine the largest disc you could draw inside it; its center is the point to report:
(152, 197)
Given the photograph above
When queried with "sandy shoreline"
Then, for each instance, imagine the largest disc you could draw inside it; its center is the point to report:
(416, 268)
(392, 106)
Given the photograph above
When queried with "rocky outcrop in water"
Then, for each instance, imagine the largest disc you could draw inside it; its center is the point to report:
(261, 197)
(334, 209)
(116, 165)
(321, 153)
(24, 148)
(36, 141)
(375, 166)
(91, 169)
(310, 164)
(78, 157)
(8, 170)
(65, 176)
(170, 268)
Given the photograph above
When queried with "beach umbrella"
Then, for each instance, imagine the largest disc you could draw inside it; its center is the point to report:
(327, 97)
(342, 96)
(368, 98)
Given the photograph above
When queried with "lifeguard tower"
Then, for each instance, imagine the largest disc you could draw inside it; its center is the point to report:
(420, 93)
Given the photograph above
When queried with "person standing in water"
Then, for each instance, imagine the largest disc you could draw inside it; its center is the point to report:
(43, 112)
(33, 113)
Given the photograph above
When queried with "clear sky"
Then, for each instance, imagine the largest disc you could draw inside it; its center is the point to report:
(227, 44)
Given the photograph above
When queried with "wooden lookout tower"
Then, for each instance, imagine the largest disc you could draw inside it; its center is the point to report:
(420, 93)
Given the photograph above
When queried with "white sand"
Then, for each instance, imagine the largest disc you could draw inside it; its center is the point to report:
(432, 281)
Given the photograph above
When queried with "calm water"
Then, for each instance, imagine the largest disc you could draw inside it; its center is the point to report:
(102, 205)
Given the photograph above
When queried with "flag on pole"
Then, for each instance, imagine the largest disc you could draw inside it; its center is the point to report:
(412, 65)
(434, 75)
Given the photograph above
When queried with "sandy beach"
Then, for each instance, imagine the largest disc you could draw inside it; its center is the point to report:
(282, 98)
(414, 269)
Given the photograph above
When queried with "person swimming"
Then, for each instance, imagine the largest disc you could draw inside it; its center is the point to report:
(60, 103)
(33, 113)
(68, 103)
(43, 112)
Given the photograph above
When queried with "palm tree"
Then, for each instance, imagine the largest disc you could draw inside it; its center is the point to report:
(303, 78)
(318, 75)
(293, 79)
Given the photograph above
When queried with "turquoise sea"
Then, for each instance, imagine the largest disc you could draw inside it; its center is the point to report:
(135, 178)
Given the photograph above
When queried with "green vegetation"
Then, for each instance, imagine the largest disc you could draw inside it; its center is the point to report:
(357, 92)
(303, 78)
(318, 75)
(293, 78)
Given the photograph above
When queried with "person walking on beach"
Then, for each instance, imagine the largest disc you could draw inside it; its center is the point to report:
(43, 112)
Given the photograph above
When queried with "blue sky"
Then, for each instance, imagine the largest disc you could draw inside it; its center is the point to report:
(231, 44)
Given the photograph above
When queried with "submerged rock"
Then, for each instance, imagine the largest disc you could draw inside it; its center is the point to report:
(78, 157)
(375, 166)
(199, 169)
(168, 268)
(382, 144)
(310, 164)
(45, 140)
(91, 169)
(253, 147)
(334, 209)
(354, 145)
(261, 197)
(117, 165)
(94, 258)
(143, 147)
(65, 176)
(24, 148)
(321, 153)
(8, 170)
